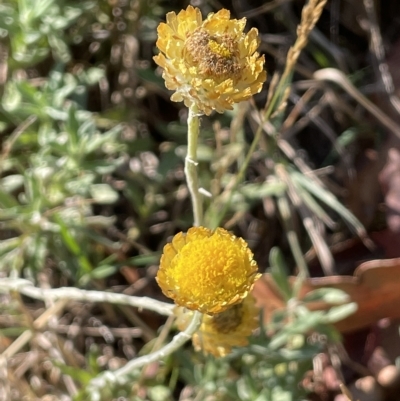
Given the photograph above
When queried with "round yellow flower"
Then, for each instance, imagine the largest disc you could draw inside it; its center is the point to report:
(212, 63)
(207, 271)
(218, 334)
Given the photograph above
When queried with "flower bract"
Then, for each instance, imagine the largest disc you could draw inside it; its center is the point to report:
(212, 63)
(206, 270)
(219, 333)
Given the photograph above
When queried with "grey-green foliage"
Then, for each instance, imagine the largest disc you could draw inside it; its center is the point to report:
(53, 173)
(253, 373)
(46, 98)
(275, 362)
(273, 367)
(36, 27)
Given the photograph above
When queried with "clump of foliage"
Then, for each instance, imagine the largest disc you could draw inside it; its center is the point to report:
(92, 185)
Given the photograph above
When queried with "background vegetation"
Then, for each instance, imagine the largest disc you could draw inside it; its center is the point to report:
(92, 187)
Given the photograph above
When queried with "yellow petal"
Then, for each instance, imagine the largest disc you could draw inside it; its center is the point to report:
(209, 63)
(207, 271)
(219, 333)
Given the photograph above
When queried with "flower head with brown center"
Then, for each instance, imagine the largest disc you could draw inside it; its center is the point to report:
(219, 333)
(205, 270)
(212, 63)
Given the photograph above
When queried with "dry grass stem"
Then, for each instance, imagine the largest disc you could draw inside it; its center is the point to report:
(309, 17)
(272, 89)
(297, 109)
(121, 375)
(288, 150)
(346, 392)
(9, 143)
(267, 7)
(321, 247)
(38, 324)
(334, 75)
(378, 50)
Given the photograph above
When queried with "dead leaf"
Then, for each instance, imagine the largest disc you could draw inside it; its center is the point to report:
(388, 241)
(375, 287)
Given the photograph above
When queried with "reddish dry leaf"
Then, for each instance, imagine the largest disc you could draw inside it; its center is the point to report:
(375, 287)
(388, 241)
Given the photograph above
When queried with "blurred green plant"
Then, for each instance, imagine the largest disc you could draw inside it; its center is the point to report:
(56, 169)
(272, 367)
(34, 28)
(53, 169)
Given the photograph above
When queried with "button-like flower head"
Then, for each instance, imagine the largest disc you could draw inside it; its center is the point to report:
(218, 334)
(212, 63)
(208, 271)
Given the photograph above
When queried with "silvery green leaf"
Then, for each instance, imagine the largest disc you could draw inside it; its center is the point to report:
(329, 295)
(103, 193)
(11, 182)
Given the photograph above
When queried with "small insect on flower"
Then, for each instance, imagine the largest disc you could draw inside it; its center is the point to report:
(212, 63)
(208, 271)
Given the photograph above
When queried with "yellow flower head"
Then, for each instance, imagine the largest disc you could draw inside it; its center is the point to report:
(219, 333)
(206, 270)
(212, 63)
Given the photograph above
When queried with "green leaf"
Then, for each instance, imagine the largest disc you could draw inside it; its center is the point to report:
(39, 8)
(92, 359)
(72, 126)
(337, 313)
(313, 205)
(304, 322)
(329, 295)
(55, 114)
(7, 245)
(159, 393)
(103, 194)
(13, 331)
(144, 260)
(169, 160)
(266, 189)
(93, 75)
(103, 271)
(37, 252)
(330, 200)
(80, 375)
(68, 239)
(7, 200)
(73, 246)
(32, 37)
(96, 141)
(344, 140)
(279, 272)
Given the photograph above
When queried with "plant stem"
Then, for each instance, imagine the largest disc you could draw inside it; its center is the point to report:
(26, 288)
(122, 376)
(239, 177)
(191, 166)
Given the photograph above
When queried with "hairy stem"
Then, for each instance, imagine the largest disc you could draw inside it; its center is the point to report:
(26, 288)
(122, 376)
(191, 166)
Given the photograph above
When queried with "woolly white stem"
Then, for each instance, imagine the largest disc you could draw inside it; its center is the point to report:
(122, 375)
(191, 165)
(25, 287)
